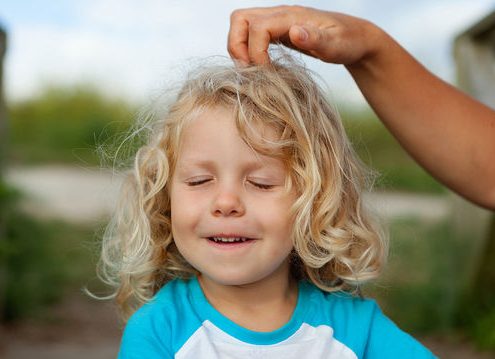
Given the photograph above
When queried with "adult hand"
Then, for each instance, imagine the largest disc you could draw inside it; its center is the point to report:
(328, 36)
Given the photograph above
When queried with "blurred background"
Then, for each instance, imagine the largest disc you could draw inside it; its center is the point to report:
(75, 74)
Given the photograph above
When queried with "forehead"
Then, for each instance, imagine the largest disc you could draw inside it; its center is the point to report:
(212, 132)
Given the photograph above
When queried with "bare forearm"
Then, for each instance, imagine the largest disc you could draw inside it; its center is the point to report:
(447, 132)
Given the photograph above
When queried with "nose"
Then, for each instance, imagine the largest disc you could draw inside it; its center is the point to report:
(227, 203)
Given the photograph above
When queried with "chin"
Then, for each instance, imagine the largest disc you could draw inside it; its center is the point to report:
(233, 279)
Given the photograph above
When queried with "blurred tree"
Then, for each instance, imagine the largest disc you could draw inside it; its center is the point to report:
(66, 124)
(3, 149)
(3, 111)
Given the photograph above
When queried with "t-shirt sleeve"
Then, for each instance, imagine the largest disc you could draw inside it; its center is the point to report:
(386, 340)
(145, 337)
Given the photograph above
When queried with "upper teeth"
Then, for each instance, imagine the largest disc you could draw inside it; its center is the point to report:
(230, 240)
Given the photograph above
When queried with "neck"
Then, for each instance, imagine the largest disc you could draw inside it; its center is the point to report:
(264, 305)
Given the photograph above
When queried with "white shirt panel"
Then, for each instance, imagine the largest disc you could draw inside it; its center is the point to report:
(210, 342)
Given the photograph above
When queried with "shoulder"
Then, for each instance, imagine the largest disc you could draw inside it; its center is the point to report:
(360, 324)
(350, 317)
(160, 325)
(162, 308)
(341, 309)
(168, 301)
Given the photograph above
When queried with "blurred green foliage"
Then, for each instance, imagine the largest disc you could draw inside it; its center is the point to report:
(39, 259)
(476, 308)
(418, 277)
(482, 330)
(423, 288)
(65, 125)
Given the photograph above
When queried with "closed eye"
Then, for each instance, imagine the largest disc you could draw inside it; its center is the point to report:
(198, 182)
(261, 185)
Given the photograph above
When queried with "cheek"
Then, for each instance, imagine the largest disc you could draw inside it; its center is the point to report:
(186, 211)
(277, 211)
(183, 224)
(277, 219)
(180, 212)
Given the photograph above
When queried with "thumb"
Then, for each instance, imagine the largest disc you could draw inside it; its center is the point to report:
(306, 38)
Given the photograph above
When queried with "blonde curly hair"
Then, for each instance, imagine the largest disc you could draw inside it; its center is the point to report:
(337, 243)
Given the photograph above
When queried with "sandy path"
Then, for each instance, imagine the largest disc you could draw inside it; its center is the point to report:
(78, 328)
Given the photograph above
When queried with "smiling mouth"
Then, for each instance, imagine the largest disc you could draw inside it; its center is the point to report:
(229, 240)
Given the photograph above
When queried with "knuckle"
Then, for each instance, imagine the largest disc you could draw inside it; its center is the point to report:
(257, 26)
(231, 48)
(236, 15)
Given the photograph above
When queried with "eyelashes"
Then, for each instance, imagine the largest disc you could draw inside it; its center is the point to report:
(206, 180)
(261, 185)
(197, 183)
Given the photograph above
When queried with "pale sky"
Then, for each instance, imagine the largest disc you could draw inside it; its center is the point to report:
(130, 48)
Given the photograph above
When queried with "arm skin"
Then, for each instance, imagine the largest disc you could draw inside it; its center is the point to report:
(447, 132)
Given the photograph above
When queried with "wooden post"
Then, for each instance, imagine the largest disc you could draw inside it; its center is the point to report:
(475, 60)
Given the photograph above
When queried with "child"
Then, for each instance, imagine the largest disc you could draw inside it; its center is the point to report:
(242, 227)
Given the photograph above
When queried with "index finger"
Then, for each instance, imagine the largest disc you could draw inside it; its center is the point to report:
(238, 37)
(265, 29)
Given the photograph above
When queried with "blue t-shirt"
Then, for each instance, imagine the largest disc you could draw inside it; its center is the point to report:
(179, 322)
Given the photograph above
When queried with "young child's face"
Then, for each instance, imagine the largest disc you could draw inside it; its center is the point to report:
(223, 191)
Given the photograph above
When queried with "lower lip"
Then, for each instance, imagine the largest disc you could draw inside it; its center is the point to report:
(230, 245)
